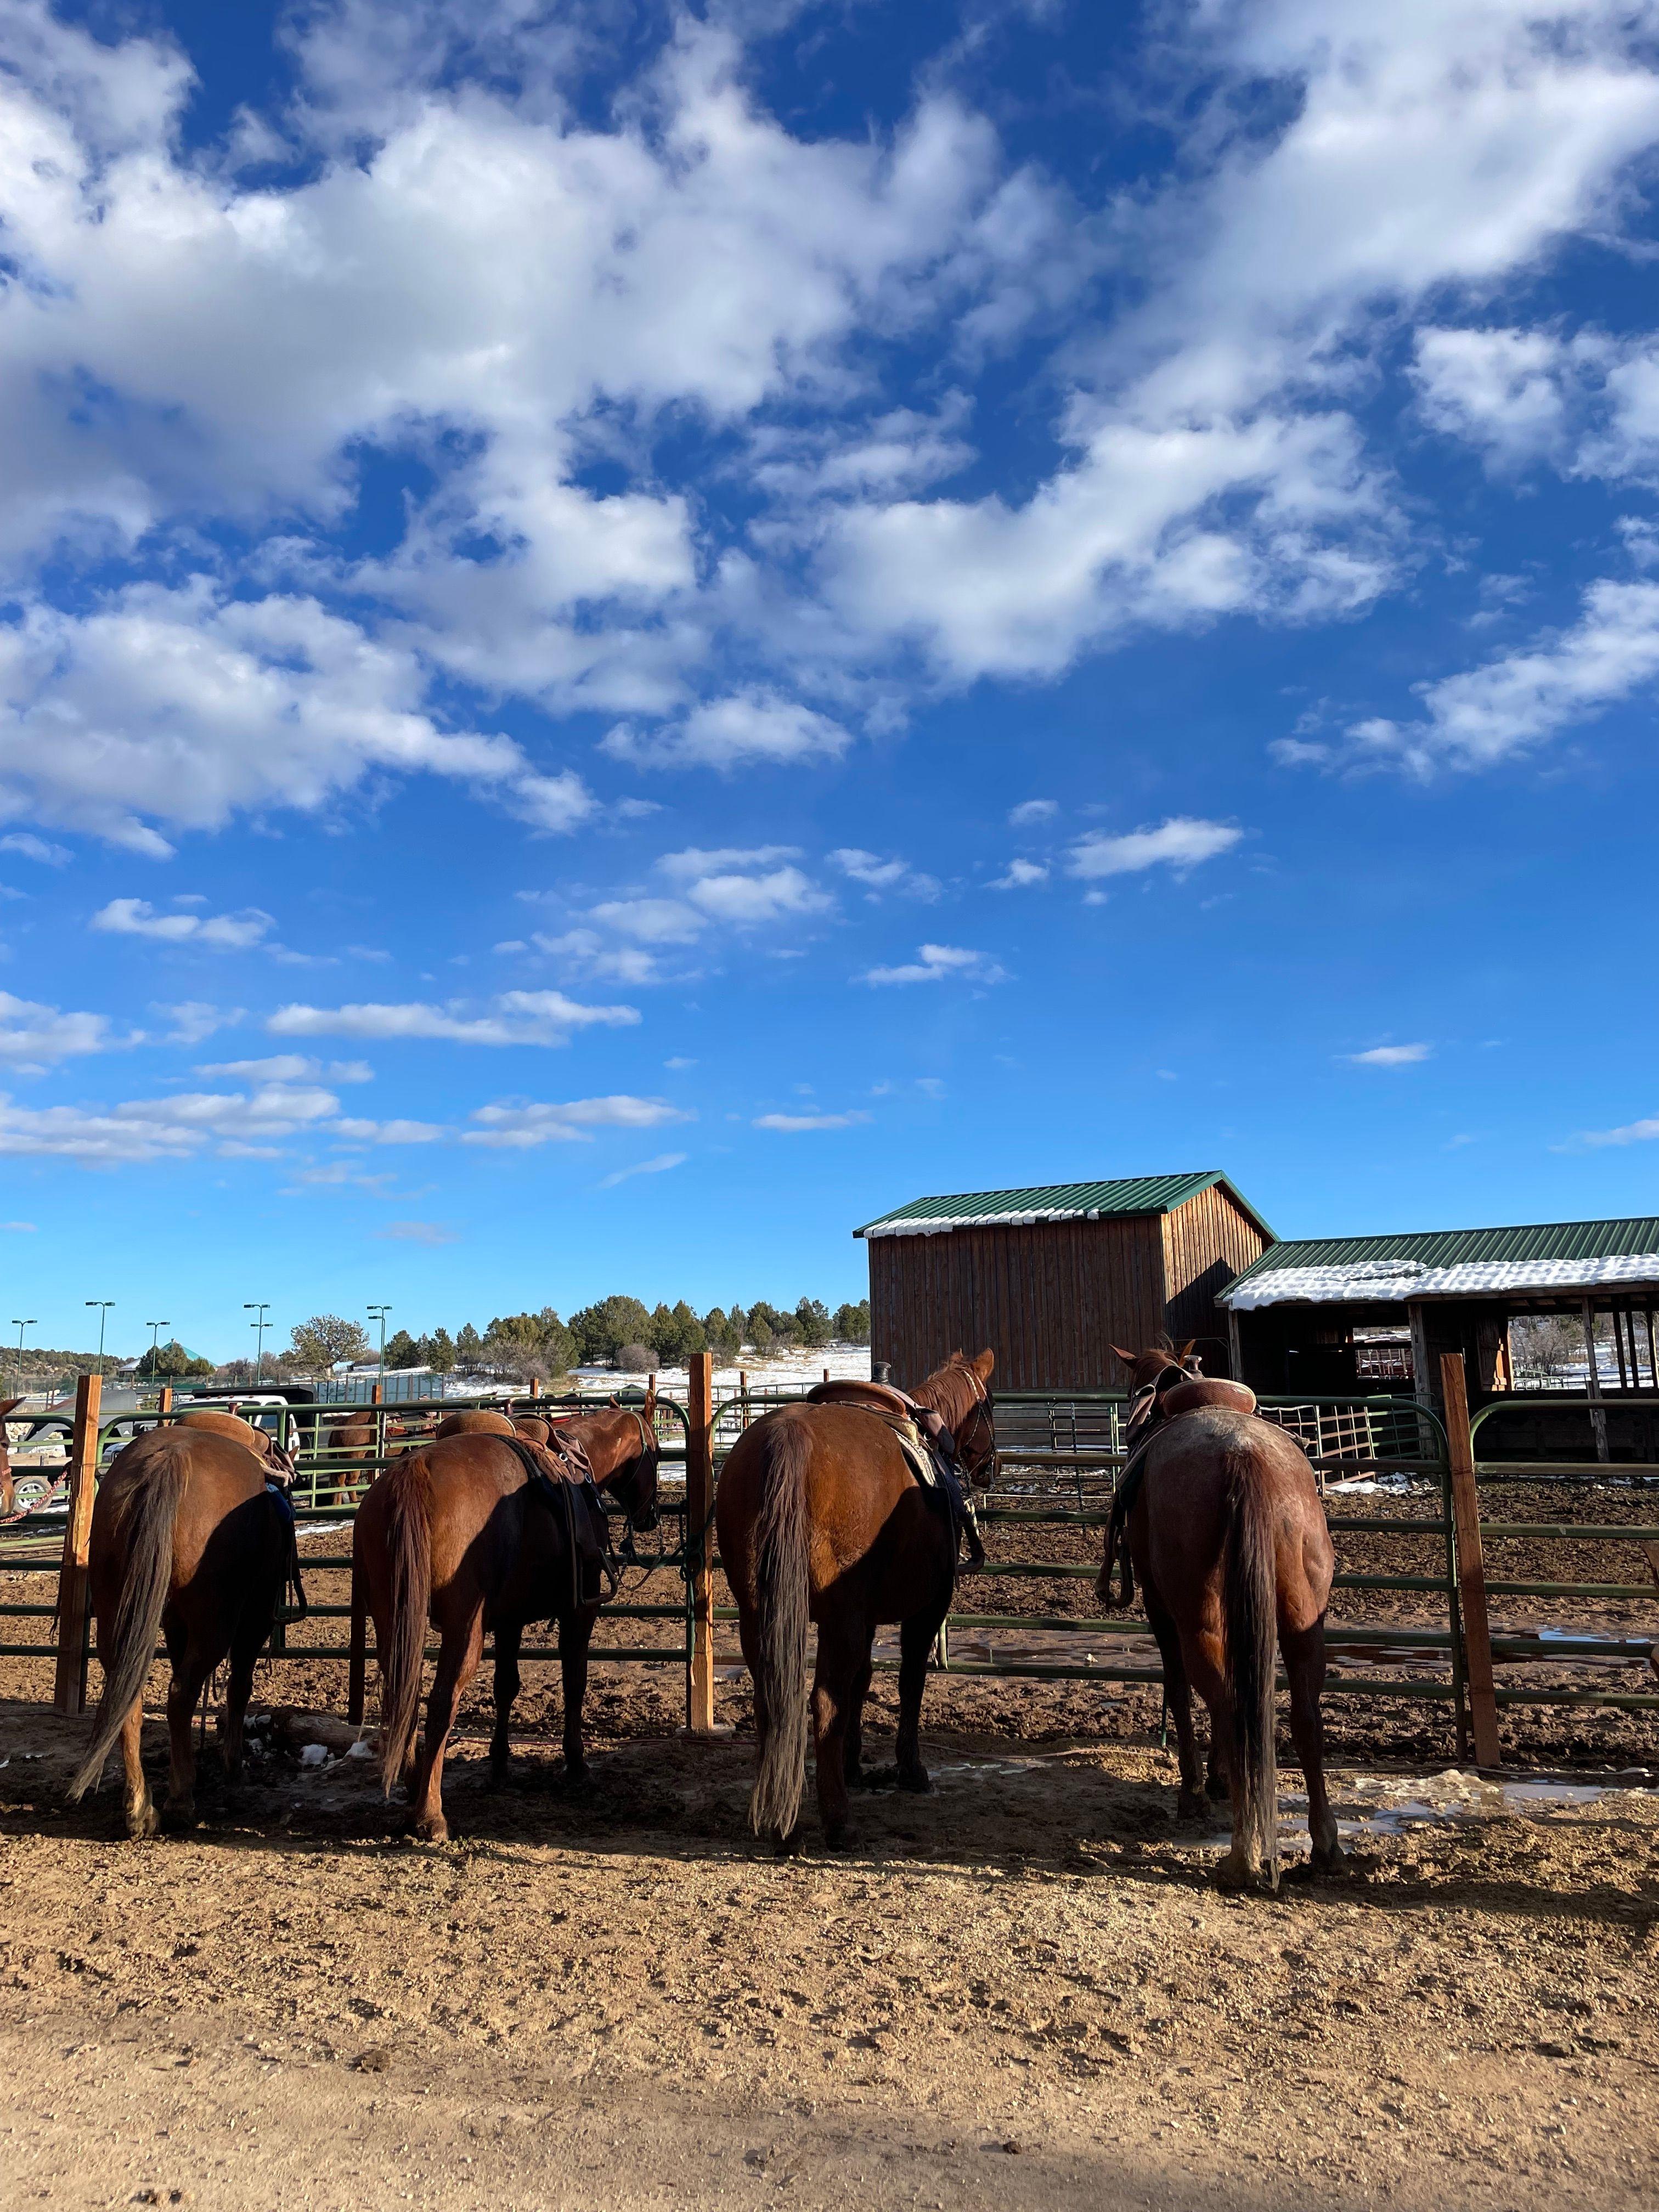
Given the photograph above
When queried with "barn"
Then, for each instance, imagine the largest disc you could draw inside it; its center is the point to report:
(1051, 1277)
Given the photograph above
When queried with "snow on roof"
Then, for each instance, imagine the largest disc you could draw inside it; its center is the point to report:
(1022, 1208)
(1386, 1281)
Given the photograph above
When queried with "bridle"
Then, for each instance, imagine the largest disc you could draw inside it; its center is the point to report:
(982, 1413)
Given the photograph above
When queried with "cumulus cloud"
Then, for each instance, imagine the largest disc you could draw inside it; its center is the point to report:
(1389, 1055)
(941, 963)
(1518, 700)
(745, 730)
(1030, 811)
(40, 1035)
(1180, 843)
(31, 847)
(1021, 875)
(878, 875)
(220, 932)
(1633, 1133)
(544, 1017)
(521, 1128)
(290, 1067)
(231, 1123)
(353, 1129)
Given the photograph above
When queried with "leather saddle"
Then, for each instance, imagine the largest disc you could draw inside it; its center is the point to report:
(1155, 1408)
(925, 1442)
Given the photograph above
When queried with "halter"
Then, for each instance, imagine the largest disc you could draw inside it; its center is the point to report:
(981, 1410)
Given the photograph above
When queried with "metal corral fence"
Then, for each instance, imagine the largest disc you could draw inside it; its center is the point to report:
(1059, 1453)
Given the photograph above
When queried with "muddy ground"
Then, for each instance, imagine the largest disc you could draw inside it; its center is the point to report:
(1023, 1988)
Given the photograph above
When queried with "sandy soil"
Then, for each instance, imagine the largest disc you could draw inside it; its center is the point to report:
(1023, 1990)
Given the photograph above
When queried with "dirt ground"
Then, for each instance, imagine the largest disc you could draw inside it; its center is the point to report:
(1022, 1989)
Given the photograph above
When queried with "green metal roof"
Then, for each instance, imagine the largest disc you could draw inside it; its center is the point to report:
(1063, 1201)
(1463, 1247)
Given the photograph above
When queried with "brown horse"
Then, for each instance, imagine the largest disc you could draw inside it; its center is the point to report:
(186, 1542)
(1225, 1528)
(459, 1532)
(821, 1519)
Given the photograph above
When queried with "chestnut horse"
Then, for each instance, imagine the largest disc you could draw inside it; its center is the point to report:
(821, 1519)
(459, 1532)
(186, 1542)
(1225, 1528)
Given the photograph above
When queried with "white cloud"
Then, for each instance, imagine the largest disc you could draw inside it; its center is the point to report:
(291, 1067)
(747, 729)
(1021, 875)
(39, 1035)
(651, 920)
(660, 1165)
(222, 933)
(354, 1130)
(793, 1124)
(1634, 1133)
(193, 1019)
(941, 963)
(1029, 811)
(1180, 843)
(20, 1228)
(543, 1018)
(879, 875)
(1479, 718)
(233, 1124)
(1390, 1055)
(718, 859)
(34, 848)
(1586, 403)
(519, 1128)
(417, 1232)
(744, 901)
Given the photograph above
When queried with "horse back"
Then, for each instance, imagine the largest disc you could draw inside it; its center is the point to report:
(1196, 1467)
(221, 1508)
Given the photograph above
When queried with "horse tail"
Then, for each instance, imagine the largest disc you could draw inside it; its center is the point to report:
(409, 1554)
(783, 1601)
(1251, 1602)
(148, 1515)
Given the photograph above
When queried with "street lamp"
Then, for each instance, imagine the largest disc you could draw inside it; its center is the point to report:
(380, 1313)
(261, 1307)
(103, 1306)
(19, 1326)
(155, 1328)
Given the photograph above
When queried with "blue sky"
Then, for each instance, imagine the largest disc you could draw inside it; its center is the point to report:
(629, 634)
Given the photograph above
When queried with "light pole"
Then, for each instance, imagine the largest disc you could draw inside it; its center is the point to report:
(19, 1326)
(155, 1328)
(103, 1306)
(261, 1307)
(380, 1313)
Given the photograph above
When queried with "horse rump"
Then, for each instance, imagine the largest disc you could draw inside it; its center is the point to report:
(1251, 1610)
(408, 1563)
(146, 1517)
(783, 1611)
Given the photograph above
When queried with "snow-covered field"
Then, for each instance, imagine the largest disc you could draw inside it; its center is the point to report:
(769, 1370)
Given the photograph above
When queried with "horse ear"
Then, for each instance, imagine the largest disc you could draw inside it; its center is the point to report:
(1186, 1350)
(984, 1364)
(616, 1401)
(1128, 1359)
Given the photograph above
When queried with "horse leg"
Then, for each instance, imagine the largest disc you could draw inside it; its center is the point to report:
(575, 1629)
(143, 1819)
(1178, 1694)
(1304, 1662)
(842, 1647)
(917, 1637)
(855, 1698)
(189, 1680)
(246, 1647)
(507, 1685)
(458, 1662)
(1202, 1654)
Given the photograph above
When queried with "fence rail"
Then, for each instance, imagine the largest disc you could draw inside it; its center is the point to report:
(1043, 1438)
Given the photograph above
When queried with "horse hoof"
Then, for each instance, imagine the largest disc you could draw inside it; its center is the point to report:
(178, 1820)
(917, 1780)
(1330, 1860)
(141, 1827)
(1217, 1787)
(433, 1829)
(1190, 1805)
(834, 1835)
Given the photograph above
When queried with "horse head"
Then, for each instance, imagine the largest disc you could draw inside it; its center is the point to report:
(968, 1409)
(1153, 1373)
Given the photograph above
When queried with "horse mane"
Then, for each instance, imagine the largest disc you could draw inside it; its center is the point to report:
(952, 1391)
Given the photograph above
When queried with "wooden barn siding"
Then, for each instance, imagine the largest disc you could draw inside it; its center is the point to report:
(1205, 1243)
(1048, 1299)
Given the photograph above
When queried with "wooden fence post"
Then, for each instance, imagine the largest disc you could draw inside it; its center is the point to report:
(1471, 1567)
(164, 1401)
(700, 1543)
(74, 1580)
